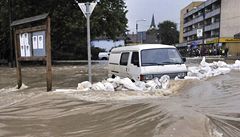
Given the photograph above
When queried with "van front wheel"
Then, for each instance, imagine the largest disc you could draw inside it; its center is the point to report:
(113, 76)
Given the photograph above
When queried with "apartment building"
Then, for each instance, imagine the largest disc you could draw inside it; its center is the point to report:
(183, 12)
(211, 23)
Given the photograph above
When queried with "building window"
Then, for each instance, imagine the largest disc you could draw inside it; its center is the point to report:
(215, 33)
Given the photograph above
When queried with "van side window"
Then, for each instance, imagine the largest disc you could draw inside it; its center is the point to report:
(135, 59)
(124, 59)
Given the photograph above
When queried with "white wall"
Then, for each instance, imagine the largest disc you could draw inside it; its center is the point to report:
(230, 19)
(107, 44)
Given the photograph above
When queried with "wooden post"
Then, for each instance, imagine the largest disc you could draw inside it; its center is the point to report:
(49, 59)
(17, 54)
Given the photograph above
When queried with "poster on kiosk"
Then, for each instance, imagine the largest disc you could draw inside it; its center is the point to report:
(25, 48)
(39, 44)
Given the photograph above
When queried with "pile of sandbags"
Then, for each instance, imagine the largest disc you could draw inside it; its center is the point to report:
(118, 84)
(236, 65)
(206, 70)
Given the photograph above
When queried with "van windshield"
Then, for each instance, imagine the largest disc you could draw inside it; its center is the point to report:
(161, 56)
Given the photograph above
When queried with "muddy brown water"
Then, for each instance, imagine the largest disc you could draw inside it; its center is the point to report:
(205, 108)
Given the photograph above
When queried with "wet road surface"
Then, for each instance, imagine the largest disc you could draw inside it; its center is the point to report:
(205, 108)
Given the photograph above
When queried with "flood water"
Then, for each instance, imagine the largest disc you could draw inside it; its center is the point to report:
(198, 108)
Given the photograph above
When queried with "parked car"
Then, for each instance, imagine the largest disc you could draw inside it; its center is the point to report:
(145, 62)
(103, 55)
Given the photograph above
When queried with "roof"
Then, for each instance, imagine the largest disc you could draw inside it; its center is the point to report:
(28, 20)
(141, 47)
(192, 5)
(152, 26)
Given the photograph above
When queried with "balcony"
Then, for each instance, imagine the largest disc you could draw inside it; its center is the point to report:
(190, 33)
(209, 2)
(212, 13)
(196, 20)
(190, 13)
(212, 26)
(200, 7)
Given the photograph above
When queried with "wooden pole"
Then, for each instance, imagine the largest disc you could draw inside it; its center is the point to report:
(49, 59)
(17, 54)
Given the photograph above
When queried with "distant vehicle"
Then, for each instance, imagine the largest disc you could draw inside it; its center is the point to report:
(103, 55)
(145, 62)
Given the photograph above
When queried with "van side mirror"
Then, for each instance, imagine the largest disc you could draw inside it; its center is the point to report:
(184, 59)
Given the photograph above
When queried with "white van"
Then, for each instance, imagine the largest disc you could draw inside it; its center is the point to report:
(145, 62)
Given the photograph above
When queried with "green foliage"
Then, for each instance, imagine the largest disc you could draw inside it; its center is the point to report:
(168, 32)
(95, 52)
(111, 14)
(4, 31)
(68, 24)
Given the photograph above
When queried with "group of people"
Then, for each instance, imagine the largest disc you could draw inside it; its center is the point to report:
(205, 51)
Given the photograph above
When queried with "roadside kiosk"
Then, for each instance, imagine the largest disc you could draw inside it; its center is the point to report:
(32, 40)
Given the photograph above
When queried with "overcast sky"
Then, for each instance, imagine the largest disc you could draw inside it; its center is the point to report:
(162, 10)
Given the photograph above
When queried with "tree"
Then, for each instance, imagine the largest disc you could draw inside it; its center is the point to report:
(4, 30)
(152, 36)
(168, 32)
(68, 24)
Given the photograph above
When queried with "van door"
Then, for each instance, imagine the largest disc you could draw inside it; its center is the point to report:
(113, 64)
(134, 67)
(123, 65)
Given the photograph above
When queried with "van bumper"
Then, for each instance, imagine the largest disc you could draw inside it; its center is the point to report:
(180, 75)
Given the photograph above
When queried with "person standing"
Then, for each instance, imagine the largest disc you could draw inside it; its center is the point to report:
(226, 51)
(203, 51)
(215, 50)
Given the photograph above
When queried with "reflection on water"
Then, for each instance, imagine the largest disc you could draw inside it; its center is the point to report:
(207, 108)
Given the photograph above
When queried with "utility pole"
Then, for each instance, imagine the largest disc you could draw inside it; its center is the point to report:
(137, 29)
(136, 32)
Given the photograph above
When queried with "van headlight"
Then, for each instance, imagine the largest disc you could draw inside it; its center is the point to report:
(182, 74)
(146, 77)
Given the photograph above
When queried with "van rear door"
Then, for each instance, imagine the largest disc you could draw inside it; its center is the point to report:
(113, 64)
